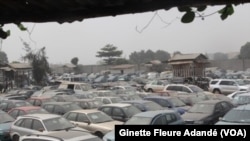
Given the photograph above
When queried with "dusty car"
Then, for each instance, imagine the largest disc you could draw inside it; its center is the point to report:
(207, 112)
(95, 121)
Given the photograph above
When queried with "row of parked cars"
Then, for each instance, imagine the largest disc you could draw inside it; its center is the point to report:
(51, 112)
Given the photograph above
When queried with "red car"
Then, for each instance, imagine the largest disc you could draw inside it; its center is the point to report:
(15, 112)
(38, 101)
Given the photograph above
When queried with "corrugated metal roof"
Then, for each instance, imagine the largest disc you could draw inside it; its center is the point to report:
(20, 66)
(181, 62)
(185, 56)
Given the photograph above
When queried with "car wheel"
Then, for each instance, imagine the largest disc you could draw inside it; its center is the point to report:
(217, 92)
(150, 90)
(15, 138)
(99, 134)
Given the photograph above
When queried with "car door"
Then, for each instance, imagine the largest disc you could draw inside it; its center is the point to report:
(118, 114)
(25, 127)
(84, 122)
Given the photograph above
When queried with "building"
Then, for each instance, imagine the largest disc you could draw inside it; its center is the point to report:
(188, 65)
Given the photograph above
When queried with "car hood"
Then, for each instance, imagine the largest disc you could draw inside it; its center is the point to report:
(108, 125)
(231, 123)
(194, 116)
(5, 126)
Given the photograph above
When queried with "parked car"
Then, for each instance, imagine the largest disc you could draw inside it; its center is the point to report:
(207, 112)
(60, 108)
(7, 105)
(65, 135)
(236, 116)
(145, 105)
(24, 110)
(109, 99)
(38, 101)
(37, 123)
(169, 102)
(227, 86)
(119, 111)
(64, 98)
(155, 86)
(159, 117)
(5, 124)
(97, 122)
(88, 103)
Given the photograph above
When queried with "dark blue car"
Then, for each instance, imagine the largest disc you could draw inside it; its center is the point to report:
(5, 123)
(169, 102)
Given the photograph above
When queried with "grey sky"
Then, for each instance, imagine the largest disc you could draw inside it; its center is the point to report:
(84, 39)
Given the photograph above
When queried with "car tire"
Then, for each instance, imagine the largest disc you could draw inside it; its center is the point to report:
(15, 138)
(99, 134)
(150, 90)
(217, 91)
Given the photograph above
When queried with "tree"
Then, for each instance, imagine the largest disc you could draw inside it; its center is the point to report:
(162, 55)
(220, 56)
(74, 61)
(3, 58)
(109, 53)
(244, 53)
(39, 63)
(176, 52)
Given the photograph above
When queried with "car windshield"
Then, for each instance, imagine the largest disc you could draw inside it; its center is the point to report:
(136, 120)
(94, 104)
(116, 99)
(99, 117)
(39, 111)
(58, 123)
(195, 89)
(237, 116)
(177, 102)
(22, 103)
(151, 106)
(131, 110)
(4, 118)
(71, 107)
(201, 108)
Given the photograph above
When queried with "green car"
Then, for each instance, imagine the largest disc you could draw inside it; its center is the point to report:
(5, 123)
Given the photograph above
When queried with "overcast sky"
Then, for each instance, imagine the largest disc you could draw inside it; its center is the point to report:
(84, 39)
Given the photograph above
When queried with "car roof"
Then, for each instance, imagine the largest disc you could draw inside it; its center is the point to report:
(40, 116)
(57, 103)
(26, 108)
(86, 111)
(136, 101)
(210, 101)
(63, 135)
(153, 113)
(242, 107)
(158, 97)
(116, 105)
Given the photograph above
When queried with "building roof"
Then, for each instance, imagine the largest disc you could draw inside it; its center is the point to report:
(61, 11)
(187, 59)
(20, 65)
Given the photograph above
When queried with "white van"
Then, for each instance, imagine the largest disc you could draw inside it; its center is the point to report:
(78, 87)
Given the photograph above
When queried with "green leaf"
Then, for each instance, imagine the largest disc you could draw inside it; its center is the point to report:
(230, 10)
(188, 17)
(8, 32)
(201, 8)
(184, 9)
(21, 27)
(223, 16)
